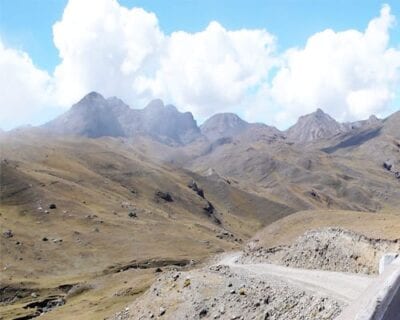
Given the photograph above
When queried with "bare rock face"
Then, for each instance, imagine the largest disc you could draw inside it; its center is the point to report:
(316, 125)
(90, 117)
(165, 121)
(94, 116)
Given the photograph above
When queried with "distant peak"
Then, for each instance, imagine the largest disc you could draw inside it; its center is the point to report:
(91, 99)
(93, 95)
(226, 117)
(373, 118)
(318, 114)
(155, 104)
(171, 107)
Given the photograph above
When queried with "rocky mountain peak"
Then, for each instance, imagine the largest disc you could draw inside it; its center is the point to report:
(316, 125)
(92, 117)
(223, 125)
(373, 119)
(92, 97)
(154, 105)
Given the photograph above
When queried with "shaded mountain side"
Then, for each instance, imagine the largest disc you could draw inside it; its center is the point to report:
(90, 117)
(94, 116)
(378, 142)
(354, 140)
(166, 121)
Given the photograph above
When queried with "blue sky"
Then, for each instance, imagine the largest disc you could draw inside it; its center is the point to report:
(27, 26)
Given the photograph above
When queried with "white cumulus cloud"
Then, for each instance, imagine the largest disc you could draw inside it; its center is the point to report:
(350, 74)
(25, 89)
(213, 70)
(118, 51)
(105, 47)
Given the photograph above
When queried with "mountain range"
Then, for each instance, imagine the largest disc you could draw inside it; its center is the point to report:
(95, 116)
(97, 201)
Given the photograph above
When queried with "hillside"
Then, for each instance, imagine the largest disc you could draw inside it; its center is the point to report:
(76, 211)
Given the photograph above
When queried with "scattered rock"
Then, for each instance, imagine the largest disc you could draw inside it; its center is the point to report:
(166, 196)
(186, 283)
(158, 270)
(209, 208)
(387, 165)
(45, 239)
(203, 313)
(210, 298)
(162, 311)
(8, 234)
(176, 276)
(132, 214)
(193, 185)
(52, 206)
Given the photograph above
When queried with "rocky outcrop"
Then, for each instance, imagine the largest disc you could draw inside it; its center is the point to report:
(165, 196)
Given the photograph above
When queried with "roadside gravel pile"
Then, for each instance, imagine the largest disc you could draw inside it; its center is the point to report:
(330, 249)
(218, 292)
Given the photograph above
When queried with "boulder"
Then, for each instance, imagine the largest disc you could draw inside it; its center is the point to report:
(8, 234)
(132, 215)
(166, 196)
(193, 185)
(387, 165)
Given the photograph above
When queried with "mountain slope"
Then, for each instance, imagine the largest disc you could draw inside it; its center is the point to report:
(114, 209)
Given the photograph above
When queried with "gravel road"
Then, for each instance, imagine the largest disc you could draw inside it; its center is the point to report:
(345, 287)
